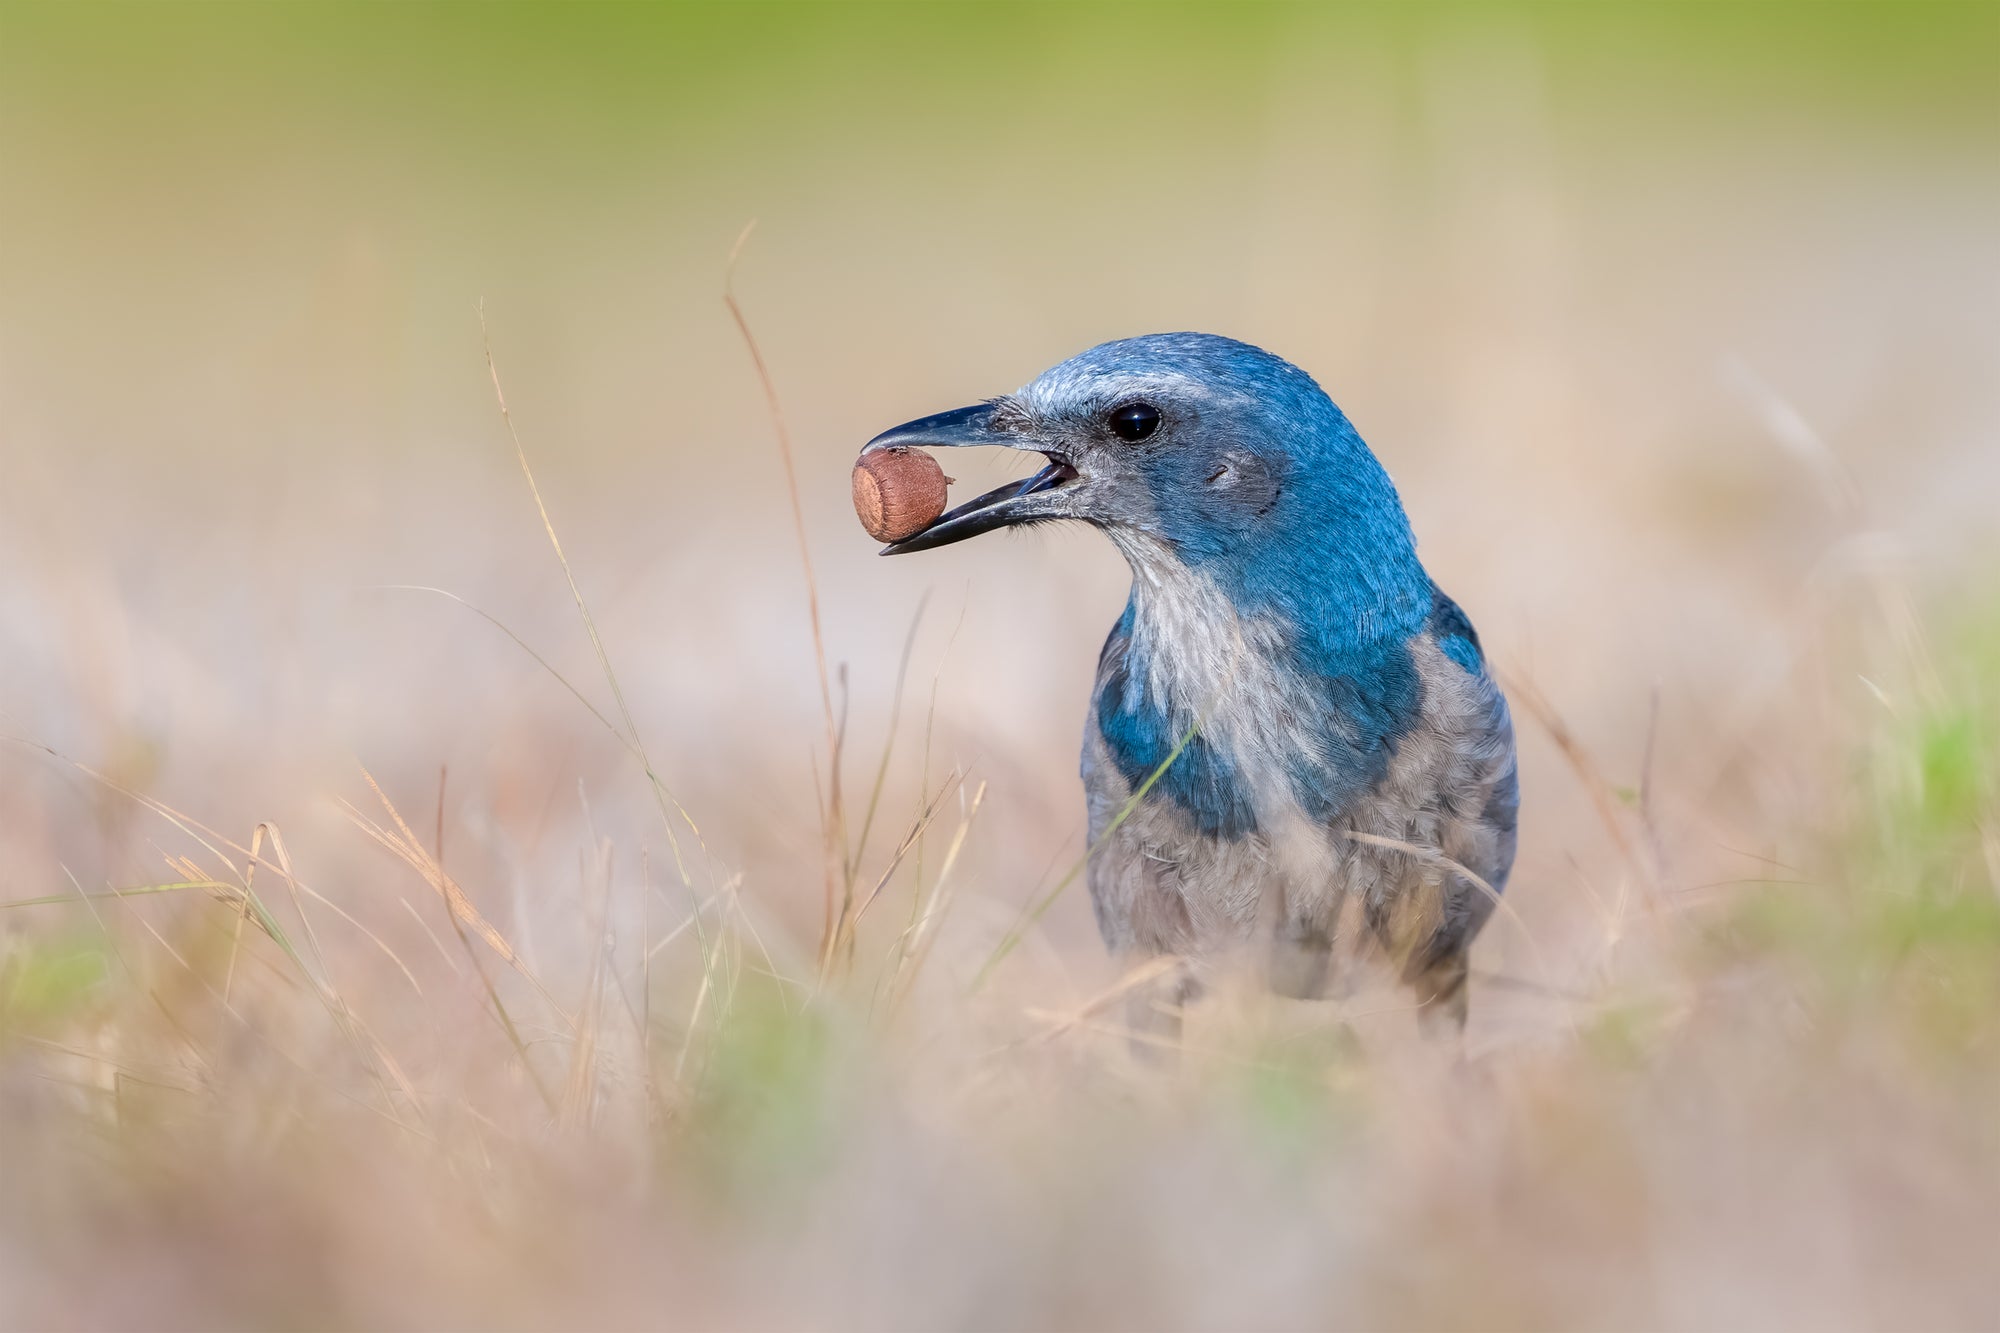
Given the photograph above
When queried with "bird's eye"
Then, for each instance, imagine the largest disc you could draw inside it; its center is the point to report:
(1135, 421)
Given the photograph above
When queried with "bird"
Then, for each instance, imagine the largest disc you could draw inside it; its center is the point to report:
(1294, 744)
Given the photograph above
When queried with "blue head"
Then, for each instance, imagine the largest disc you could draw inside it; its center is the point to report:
(1200, 453)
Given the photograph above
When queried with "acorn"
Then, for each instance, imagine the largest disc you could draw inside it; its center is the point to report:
(898, 492)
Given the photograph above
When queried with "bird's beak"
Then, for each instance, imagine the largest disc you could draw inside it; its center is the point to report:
(1025, 501)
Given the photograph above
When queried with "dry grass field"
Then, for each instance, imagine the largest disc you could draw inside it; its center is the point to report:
(418, 870)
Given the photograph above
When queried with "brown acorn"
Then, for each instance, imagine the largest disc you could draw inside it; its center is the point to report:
(898, 492)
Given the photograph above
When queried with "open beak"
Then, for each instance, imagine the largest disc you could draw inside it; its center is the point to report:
(1029, 500)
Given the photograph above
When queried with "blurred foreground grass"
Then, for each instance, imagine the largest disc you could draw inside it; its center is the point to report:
(1748, 1104)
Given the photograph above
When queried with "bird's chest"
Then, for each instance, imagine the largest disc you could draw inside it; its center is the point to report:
(1221, 716)
(1236, 775)
(1190, 712)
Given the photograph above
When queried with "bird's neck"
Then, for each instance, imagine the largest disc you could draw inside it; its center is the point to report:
(1198, 627)
(1268, 716)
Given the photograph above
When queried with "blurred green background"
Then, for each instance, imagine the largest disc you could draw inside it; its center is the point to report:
(190, 188)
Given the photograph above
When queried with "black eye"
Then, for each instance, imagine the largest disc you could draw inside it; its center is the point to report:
(1135, 421)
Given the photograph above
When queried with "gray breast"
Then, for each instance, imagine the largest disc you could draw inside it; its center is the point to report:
(1374, 870)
